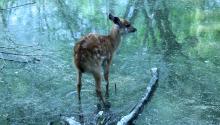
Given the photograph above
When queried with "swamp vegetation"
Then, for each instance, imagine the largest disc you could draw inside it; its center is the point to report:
(180, 37)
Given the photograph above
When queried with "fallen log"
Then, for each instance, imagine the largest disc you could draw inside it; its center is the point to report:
(133, 115)
(108, 117)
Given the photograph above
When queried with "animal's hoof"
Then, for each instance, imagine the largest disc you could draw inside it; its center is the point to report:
(79, 97)
(99, 106)
(107, 105)
(107, 95)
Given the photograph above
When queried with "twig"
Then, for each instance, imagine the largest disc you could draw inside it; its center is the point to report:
(30, 60)
(12, 60)
(20, 45)
(18, 6)
(3, 47)
(19, 54)
(128, 119)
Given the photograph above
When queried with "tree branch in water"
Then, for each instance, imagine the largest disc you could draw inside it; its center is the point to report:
(18, 6)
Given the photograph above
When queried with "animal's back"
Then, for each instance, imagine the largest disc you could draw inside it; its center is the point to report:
(87, 53)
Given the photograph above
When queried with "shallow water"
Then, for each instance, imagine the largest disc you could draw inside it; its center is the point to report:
(39, 84)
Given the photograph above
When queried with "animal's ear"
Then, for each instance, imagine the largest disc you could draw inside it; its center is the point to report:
(116, 20)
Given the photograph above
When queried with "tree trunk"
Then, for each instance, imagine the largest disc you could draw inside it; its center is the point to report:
(169, 42)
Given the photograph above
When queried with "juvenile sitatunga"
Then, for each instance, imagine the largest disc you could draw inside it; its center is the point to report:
(94, 52)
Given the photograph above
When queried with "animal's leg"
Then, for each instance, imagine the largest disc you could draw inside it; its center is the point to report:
(79, 83)
(106, 76)
(97, 77)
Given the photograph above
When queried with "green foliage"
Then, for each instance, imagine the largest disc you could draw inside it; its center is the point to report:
(198, 22)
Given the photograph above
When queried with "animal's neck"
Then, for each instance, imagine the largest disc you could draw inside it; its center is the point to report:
(115, 36)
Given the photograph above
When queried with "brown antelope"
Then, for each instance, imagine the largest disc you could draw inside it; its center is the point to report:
(94, 51)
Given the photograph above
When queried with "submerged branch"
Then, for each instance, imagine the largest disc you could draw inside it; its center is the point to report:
(34, 60)
(20, 54)
(18, 6)
(128, 119)
(20, 57)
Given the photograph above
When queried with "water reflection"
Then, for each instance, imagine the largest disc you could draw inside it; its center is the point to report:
(181, 40)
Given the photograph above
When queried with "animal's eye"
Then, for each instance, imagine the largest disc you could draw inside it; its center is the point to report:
(127, 25)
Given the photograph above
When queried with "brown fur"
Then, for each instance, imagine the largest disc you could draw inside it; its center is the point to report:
(93, 51)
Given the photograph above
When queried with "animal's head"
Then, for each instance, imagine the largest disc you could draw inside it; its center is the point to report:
(123, 25)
